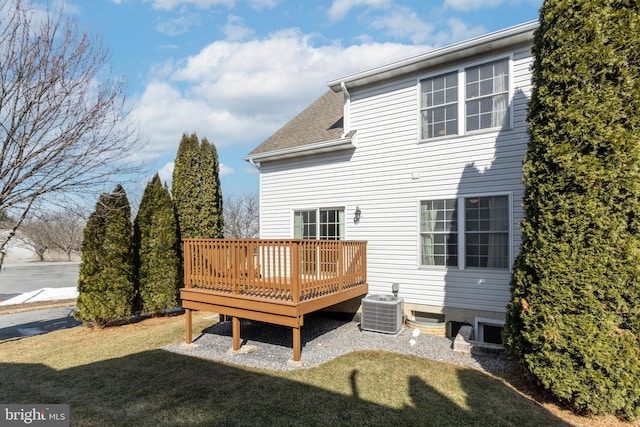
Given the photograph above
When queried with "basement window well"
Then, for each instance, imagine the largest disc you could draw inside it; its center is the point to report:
(489, 330)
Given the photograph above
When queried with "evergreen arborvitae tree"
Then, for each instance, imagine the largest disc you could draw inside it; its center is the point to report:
(196, 190)
(574, 319)
(185, 186)
(211, 219)
(157, 250)
(105, 282)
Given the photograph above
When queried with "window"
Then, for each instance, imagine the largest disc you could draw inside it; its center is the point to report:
(329, 227)
(439, 106)
(487, 232)
(487, 95)
(331, 224)
(438, 231)
(304, 225)
(485, 92)
(485, 229)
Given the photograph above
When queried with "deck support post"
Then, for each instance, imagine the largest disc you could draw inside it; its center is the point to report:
(297, 344)
(235, 328)
(188, 329)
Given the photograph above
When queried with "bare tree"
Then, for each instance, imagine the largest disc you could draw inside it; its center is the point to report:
(241, 216)
(62, 115)
(64, 230)
(32, 236)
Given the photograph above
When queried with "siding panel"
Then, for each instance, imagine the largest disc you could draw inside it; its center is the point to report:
(388, 174)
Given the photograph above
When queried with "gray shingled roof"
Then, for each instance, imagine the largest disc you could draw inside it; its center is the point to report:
(321, 121)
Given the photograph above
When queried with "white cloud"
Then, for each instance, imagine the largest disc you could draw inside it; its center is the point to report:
(234, 29)
(166, 173)
(340, 8)
(202, 4)
(467, 5)
(225, 170)
(404, 23)
(263, 4)
(458, 31)
(238, 94)
(180, 24)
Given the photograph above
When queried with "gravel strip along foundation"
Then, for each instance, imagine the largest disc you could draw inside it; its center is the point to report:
(324, 338)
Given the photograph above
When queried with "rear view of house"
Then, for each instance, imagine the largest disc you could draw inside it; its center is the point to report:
(422, 158)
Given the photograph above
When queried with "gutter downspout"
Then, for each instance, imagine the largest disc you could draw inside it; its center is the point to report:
(346, 109)
(253, 163)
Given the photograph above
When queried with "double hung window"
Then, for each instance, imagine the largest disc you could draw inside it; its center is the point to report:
(484, 227)
(439, 232)
(439, 106)
(483, 91)
(323, 224)
(487, 95)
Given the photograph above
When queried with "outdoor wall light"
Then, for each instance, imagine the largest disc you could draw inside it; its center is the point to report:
(356, 215)
(395, 287)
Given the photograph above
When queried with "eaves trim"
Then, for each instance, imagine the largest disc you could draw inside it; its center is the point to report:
(305, 150)
(490, 42)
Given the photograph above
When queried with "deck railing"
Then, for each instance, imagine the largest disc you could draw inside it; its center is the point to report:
(290, 270)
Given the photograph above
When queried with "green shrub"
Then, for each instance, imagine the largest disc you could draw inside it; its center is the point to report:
(574, 319)
(157, 250)
(105, 281)
(196, 190)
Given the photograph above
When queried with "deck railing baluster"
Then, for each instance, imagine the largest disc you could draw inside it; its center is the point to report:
(293, 270)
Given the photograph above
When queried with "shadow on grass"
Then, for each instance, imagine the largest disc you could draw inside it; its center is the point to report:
(162, 388)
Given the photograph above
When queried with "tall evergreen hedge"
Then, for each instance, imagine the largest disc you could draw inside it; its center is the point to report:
(211, 219)
(196, 190)
(106, 276)
(185, 186)
(574, 319)
(157, 250)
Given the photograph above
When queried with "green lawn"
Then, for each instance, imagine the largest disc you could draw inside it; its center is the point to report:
(119, 376)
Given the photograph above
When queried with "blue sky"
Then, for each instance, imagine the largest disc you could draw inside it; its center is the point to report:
(234, 71)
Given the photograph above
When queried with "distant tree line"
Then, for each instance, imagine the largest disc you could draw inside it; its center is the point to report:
(46, 231)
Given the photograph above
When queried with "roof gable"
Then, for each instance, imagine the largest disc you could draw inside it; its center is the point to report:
(320, 122)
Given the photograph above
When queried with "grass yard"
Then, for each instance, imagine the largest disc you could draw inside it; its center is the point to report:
(120, 377)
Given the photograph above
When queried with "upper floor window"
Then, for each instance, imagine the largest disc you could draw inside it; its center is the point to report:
(439, 106)
(323, 224)
(487, 95)
(485, 91)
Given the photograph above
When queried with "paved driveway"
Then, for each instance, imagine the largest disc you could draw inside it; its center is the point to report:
(20, 278)
(27, 277)
(36, 322)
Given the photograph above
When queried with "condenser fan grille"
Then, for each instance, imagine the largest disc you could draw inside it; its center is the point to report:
(381, 313)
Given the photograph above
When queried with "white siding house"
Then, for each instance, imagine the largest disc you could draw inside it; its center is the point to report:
(428, 153)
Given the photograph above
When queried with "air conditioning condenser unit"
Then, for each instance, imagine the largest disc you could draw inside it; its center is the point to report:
(382, 313)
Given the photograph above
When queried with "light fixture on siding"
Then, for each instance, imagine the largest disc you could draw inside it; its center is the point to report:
(395, 287)
(356, 215)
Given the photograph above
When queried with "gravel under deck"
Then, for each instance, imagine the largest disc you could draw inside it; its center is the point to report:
(324, 337)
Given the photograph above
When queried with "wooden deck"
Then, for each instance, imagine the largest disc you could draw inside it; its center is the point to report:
(274, 281)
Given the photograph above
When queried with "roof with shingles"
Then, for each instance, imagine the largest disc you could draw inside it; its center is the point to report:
(321, 121)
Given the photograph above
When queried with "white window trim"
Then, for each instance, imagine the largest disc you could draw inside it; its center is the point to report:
(462, 84)
(462, 233)
(292, 214)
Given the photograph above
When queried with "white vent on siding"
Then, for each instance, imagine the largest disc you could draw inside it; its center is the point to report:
(381, 313)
